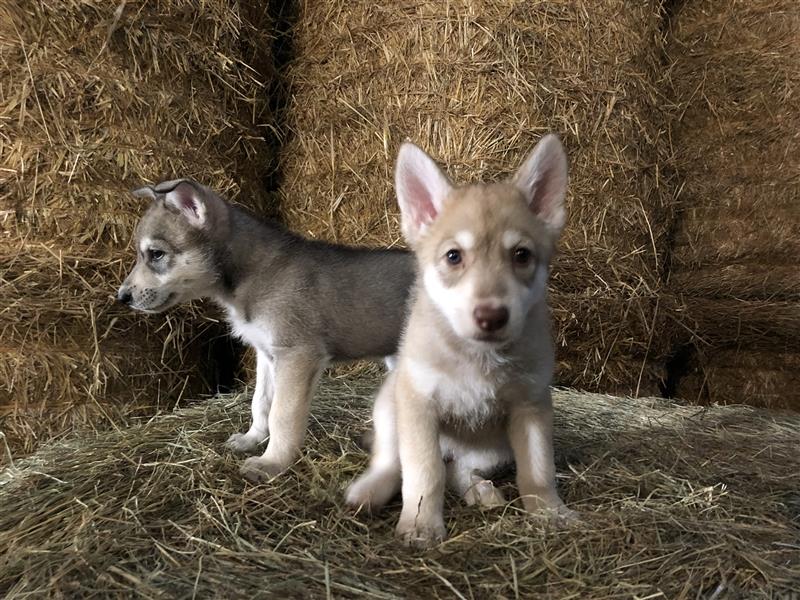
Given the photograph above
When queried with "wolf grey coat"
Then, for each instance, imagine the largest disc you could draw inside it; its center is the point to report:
(299, 303)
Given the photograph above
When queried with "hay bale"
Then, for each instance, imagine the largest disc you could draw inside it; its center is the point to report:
(96, 98)
(672, 497)
(477, 83)
(760, 378)
(734, 265)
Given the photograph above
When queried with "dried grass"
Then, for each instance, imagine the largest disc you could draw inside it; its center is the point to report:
(760, 378)
(477, 83)
(96, 98)
(736, 82)
(676, 502)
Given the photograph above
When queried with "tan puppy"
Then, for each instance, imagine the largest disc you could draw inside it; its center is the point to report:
(471, 390)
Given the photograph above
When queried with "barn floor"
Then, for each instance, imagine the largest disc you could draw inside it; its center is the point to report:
(676, 502)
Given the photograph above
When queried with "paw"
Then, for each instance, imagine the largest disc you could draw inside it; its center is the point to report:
(483, 493)
(244, 443)
(550, 505)
(421, 534)
(258, 469)
(565, 517)
(372, 490)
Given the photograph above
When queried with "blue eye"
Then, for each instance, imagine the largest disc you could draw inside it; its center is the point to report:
(453, 256)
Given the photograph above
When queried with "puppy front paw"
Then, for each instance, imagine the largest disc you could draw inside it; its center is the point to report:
(551, 506)
(258, 469)
(416, 533)
(566, 517)
(243, 443)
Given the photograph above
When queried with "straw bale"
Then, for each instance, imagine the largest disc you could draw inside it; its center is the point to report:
(605, 343)
(477, 84)
(736, 82)
(735, 77)
(742, 350)
(764, 324)
(752, 280)
(750, 222)
(676, 501)
(95, 99)
(760, 378)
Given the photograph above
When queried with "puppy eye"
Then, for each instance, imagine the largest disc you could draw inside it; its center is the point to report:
(453, 256)
(522, 257)
(155, 255)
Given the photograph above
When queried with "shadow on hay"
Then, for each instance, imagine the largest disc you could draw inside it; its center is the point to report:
(284, 15)
(228, 358)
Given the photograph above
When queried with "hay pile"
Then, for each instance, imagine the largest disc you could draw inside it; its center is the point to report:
(97, 97)
(677, 502)
(736, 77)
(477, 84)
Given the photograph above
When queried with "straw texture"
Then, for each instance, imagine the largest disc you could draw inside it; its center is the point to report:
(735, 72)
(676, 501)
(477, 84)
(97, 98)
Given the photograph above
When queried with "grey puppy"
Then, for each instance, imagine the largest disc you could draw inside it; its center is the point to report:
(299, 303)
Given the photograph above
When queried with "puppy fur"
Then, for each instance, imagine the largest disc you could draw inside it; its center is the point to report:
(299, 303)
(471, 390)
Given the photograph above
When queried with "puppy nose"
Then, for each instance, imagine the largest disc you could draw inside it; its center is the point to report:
(490, 318)
(124, 295)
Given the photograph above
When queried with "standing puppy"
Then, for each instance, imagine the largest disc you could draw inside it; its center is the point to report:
(299, 303)
(471, 390)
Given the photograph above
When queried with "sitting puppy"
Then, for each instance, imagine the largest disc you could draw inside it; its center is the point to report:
(471, 389)
(299, 303)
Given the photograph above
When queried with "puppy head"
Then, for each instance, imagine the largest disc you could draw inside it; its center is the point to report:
(484, 250)
(175, 246)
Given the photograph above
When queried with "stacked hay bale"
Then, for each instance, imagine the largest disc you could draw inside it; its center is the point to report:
(97, 98)
(477, 83)
(736, 74)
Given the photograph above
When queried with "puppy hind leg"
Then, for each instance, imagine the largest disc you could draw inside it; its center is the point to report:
(376, 486)
(469, 483)
(260, 406)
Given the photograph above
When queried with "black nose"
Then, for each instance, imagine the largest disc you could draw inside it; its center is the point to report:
(125, 297)
(491, 318)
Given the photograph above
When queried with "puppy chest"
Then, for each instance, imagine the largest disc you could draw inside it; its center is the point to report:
(463, 396)
(251, 332)
(471, 402)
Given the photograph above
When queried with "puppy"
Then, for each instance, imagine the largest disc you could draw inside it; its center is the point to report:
(471, 390)
(299, 303)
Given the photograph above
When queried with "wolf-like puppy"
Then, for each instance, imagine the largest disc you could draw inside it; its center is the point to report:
(299, 303)
(471, 389)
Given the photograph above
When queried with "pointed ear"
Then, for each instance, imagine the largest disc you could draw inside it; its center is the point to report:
(144, 192)
(421, 188)
(187, 199)
(542, 179)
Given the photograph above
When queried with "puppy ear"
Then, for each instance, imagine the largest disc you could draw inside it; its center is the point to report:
(542, 179)
(421, 188)
(144, 192)
(187, 199)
